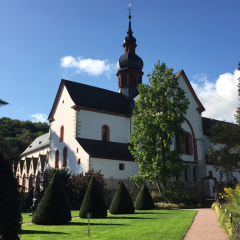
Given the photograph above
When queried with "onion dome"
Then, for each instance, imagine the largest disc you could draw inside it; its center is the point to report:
(130, 60)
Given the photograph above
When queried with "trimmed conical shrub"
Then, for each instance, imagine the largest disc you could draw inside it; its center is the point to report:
(93, 201)
(53, 208)
(144, 200)
(122, 202)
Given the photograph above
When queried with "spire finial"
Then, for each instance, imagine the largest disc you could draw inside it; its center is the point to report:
(129, 9)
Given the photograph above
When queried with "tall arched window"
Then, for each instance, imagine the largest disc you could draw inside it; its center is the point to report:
(64, 163)
(38, 180)
(61, 133)
(105, 133)
(24, 182)
(186, 174)
(194, 174)
(57, 159)
(30, 182)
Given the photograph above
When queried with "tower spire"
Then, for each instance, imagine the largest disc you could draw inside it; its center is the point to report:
(129, 65)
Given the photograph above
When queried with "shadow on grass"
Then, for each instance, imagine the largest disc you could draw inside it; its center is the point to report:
(40, 232)
(95, 224)
(116, 217)
(149, 213)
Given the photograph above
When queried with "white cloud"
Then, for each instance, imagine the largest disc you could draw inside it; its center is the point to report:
(89, 66)
(220, 99)
(39, 117)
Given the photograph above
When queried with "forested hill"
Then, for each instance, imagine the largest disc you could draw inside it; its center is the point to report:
(16, 135)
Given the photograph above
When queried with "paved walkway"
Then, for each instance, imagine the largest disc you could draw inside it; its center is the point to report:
(206, 226)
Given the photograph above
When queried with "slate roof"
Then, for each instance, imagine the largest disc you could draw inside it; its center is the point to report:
(108, 150)
(39, 142)
(207, 123)
(97, 98)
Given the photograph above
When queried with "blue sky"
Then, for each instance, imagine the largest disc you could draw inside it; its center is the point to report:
(44, 41)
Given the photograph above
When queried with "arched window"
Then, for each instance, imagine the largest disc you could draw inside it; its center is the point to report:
(64, 163)
(105, 133)
(24, 182)
(194, 174)
(30, 182)
(38, 180)
(79, 161)
(61, 133)
(124, 80)
(57, 159)
(186, 173)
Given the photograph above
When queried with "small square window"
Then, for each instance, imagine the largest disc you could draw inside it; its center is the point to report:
(121, 166)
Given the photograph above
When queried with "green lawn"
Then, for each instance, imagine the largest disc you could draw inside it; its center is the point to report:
(27, 218)
(154, 224)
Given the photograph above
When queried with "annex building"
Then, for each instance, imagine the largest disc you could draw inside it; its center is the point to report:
(90, 128)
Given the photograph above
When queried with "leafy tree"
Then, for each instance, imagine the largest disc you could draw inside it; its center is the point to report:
(64, 176)
(122, 202)
(227, 157)
(53, 208)
(10, 214)
(144, 200)
(77, 186)
(157, 118)
(15, 136)
(237, 116)
(3, 103)
(93, 201)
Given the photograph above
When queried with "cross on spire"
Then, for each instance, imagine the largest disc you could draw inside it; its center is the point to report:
(129, 9)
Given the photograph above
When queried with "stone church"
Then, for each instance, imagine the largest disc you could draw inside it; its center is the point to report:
(90, 128)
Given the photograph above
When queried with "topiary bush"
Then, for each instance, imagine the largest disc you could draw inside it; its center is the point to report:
(93, 201)
(122, 202)
(53, 208)
(144, 200)
(10, 213)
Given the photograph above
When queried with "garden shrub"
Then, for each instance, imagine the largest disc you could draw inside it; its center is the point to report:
(144, 200)
(122, 202)
(162, 205)
(53, 208)
(93, 201)
(10, 214)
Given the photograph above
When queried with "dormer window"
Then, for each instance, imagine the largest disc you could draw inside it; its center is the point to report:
(30, 146)
(40, 142)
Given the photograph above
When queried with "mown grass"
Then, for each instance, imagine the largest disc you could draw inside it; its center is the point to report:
(154, 224)
(26, 218)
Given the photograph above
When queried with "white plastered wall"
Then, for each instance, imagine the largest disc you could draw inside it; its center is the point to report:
(90, 126)
(65, 116)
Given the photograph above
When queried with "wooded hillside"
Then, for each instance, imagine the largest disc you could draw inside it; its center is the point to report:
(16, 135)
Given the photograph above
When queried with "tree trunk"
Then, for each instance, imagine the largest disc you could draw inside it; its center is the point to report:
(159, 187)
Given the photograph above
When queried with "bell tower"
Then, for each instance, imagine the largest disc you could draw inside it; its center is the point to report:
(129, 66)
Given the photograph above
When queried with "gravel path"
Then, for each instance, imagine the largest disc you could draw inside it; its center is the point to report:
(206, 226)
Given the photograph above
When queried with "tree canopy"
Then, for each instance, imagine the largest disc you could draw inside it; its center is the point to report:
(227, 157)
(158, 116)
(16, 135)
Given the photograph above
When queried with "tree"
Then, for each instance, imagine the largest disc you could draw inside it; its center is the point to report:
(53, 208)
(158, 116)
(3, 103)
(10, 214)
(77, 186)
(122, 202)
(227, 157)
(237, 116)
(144, 200)
(93, 201)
